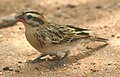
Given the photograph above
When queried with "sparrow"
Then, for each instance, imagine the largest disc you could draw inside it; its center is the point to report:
(52, 39)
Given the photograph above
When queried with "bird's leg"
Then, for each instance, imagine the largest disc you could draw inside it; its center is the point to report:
(60, 60)
(38, 59)
(66, 54)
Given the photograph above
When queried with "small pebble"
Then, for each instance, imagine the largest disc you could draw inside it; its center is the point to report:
(20, 28)
(118, 36)
(92, 63)
(118, 4)
(93, 70)
(105, 26)
(8, 69)
(0, 37)
(17, 71)
(88, 47)
(109, 63)
(113, 35)
(19, 62)
(71, 6)
(37, 68)
(1, 73)
(98, 7)
(57, 8)
(58, 14)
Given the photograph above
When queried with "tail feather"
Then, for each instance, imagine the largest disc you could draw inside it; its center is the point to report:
(98, 39)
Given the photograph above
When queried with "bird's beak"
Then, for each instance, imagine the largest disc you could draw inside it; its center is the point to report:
(19, 18)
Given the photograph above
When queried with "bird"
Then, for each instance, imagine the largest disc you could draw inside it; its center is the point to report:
(51, 38)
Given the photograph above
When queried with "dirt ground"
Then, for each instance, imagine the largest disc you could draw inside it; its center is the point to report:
(92, 60)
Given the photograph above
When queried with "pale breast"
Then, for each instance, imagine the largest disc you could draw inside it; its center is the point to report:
(46, 47)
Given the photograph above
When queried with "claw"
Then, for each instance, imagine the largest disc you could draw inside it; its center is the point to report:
(38, 59)
(35, 61)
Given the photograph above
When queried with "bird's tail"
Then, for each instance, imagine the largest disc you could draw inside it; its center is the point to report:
(93, 38)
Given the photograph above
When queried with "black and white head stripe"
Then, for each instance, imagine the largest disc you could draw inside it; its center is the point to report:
(32, 18)
(32, 12)
(34, 21)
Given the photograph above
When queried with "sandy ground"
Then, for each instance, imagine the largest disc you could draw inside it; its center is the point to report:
(102, 16)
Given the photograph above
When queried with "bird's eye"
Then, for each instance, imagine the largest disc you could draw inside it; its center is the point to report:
(29, 16)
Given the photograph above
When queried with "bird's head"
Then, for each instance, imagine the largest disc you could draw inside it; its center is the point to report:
(31, 19)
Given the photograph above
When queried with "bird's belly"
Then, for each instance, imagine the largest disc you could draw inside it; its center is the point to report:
(49, 48)
(54, 49)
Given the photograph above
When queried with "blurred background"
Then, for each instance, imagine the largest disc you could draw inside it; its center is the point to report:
(86, 10)
(101, 16)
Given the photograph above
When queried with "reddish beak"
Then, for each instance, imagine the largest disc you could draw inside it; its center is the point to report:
(19, 19)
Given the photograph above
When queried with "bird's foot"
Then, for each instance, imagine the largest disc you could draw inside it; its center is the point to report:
(56, 64)
(60, 61)
(35, 60)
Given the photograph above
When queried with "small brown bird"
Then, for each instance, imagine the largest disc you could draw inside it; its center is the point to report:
(52, 39)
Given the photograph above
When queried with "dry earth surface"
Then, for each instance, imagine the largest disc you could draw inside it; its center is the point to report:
(102, 16)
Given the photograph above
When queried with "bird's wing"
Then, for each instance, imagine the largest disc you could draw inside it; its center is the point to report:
(65, 33)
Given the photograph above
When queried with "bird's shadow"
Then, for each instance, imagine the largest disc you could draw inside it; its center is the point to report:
(69, 60)
(73, 59)
(87, 53)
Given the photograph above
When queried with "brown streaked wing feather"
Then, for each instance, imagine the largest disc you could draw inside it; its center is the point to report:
(65, 33)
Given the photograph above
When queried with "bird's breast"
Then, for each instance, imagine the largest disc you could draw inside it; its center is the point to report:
(33, 40)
